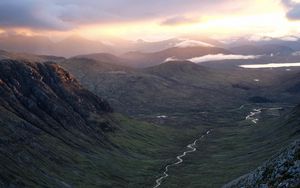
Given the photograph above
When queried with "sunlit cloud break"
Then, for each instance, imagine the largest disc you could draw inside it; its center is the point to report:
(219, 57)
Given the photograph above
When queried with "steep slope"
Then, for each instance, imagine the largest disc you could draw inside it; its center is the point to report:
(282, 170)
(88, 71)
(42, 106)
(54, 133)
(47, 91)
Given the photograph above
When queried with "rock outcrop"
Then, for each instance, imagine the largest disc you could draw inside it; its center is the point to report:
(282, 171)
(48, 123)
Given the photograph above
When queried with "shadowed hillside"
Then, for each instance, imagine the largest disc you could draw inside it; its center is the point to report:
(182, 85)
(55, 133)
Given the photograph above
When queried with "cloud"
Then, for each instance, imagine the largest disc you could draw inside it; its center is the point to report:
(178, 20)
(293, 9)
(289, 38)
(171, 59)
(69, 14)
(213, 57)
(270, 65)
(219, 57)
(31, 13)
(192, 43)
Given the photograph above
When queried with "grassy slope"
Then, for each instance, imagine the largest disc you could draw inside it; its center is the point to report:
(170, 87)
(135, 154)
(138, 152)
(185, 92)
(234, 148)
(129, 157)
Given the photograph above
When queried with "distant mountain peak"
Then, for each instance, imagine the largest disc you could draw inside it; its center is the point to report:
(192, 43)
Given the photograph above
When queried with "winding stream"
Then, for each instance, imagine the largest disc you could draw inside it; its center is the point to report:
(191, 148)
(255, 112)
(252, 115)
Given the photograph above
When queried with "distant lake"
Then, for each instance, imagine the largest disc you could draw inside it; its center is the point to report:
(270, 65)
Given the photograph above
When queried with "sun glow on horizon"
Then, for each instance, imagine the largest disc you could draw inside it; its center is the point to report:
(261, 20)
(258, 17)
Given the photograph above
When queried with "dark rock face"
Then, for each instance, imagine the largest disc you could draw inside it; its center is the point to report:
(44, 92)
(282, 171)
(47, 92)
(46, 118)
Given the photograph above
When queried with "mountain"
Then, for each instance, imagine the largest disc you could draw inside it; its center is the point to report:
(266, 49)
(27, 44)
(70, 46)
(138, 88)
(141, 60)
(29, 57)
(87, 69)
(122, 46)
(292, 84)
(292, 42)
(75, 45)
(44, 109)
(146, 46)
(103, 57)
(288, 86)
(55, 133)
(176, 81)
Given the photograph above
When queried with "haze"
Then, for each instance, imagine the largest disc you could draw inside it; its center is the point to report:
(149, 20)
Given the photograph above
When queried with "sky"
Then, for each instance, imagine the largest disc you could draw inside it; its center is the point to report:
(150, 20)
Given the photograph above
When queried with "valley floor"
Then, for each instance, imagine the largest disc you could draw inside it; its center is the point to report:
(236, 146)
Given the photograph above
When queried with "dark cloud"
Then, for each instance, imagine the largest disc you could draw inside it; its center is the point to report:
(32, 14)
(67, 14)
(293, 12)
(177, 20)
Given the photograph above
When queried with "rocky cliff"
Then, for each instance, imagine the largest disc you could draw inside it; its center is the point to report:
(282, 171)
(47, 120)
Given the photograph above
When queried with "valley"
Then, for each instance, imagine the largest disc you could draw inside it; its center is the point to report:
(149, 94)
(244, 143)
(192, 148)
(175, 124)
